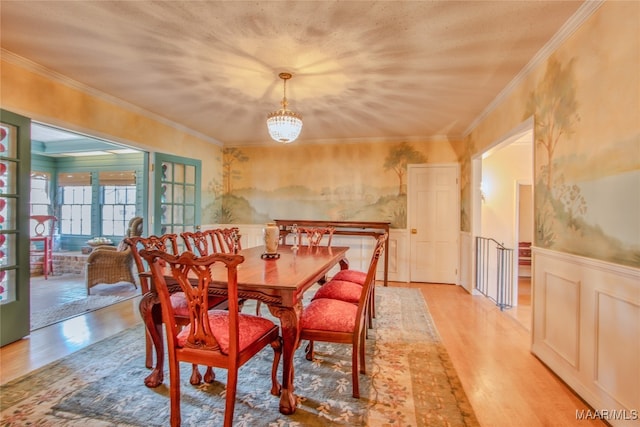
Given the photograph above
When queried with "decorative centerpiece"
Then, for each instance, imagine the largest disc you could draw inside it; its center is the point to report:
(99, 241)
(271, 234)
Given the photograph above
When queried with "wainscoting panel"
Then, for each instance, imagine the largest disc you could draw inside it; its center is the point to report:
(586, 328)
(561, 316)
(618, 327)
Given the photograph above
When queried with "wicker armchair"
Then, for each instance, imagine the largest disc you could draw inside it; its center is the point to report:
(111, 265)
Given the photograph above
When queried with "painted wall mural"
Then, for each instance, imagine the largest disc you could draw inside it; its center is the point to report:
(339, 182)
(465, 184)
(585, 105)
(586, 200)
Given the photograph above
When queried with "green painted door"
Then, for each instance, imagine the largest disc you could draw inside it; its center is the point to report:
(15, 169)
(177, 194)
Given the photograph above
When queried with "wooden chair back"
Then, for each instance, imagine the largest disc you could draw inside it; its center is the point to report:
(194, 274)
(370, 282)
(196, 343)
(315, 235)
(42, 228)
(217, 240)
(43, 225)
(166, 243)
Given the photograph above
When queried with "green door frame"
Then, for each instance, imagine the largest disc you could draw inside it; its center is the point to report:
(14, 262)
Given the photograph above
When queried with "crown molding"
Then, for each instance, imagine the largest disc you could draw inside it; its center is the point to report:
(569, 27)
(20, 61)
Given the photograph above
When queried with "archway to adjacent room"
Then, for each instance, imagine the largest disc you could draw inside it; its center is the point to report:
(502, 208)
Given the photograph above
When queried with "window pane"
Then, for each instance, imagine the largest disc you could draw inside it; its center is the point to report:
(178, 218)
(40, 197)
(190, 194)
(75, 209)
(178, 193)
(167, 171)
(116, 210)
(189, 214)
(166, 214)
(107, 212)
(190, 174)
(178, 172)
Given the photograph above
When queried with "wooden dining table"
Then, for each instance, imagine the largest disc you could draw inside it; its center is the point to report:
(279, 283)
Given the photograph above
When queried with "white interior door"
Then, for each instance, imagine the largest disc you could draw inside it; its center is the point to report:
(434, 223)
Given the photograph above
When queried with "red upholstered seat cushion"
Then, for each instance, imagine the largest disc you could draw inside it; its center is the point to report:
(250, 329)
(329, 315)
(179, 304)
(180, 307)
(340, 290)
(351, 276)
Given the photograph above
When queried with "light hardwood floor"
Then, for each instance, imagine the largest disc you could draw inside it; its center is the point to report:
(505, 383)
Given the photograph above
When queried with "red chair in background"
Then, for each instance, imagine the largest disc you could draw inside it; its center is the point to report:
(42, 242)
(335, 321)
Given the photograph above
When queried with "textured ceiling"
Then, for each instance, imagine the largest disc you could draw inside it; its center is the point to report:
(362, 70)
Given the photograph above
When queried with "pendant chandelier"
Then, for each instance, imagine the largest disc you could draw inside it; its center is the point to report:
(284, 125)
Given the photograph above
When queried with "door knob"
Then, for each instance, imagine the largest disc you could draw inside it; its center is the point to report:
(414, 231)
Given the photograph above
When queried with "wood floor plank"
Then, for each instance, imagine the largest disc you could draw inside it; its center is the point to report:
(490, 349)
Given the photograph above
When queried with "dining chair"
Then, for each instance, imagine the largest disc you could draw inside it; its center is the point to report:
(217, 240)
(167, 243)
(221, 338)
(315, 235)
(201, 242)
(346, 285)
(341, 322)
(42, 242)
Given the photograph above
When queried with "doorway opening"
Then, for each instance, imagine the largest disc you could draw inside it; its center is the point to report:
(93, 188)
(502, 177)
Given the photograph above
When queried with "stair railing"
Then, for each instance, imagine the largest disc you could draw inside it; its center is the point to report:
(494, 283)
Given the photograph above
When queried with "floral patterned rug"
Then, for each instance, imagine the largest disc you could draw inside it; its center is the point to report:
(410, 382)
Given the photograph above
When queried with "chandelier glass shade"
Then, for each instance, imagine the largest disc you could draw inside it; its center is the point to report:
(284, 125)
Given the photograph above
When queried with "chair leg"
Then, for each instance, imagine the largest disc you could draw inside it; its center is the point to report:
(309, 351)
(354, 368)
(230, 404)
(174, 391)
(373, 301)
(258, 305)
(148, 361)
(371, 306)
(196, 378)
(362, 351)
(276, 388)
(209, 375)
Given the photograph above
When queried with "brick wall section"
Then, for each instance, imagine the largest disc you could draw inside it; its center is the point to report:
(71, 262)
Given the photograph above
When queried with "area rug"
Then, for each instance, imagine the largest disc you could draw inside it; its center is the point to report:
(410, 381)
(58, 313)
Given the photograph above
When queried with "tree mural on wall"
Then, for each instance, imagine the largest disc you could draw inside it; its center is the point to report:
(397, 160)
(465, 183)
(553, 104)
(231, 156)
